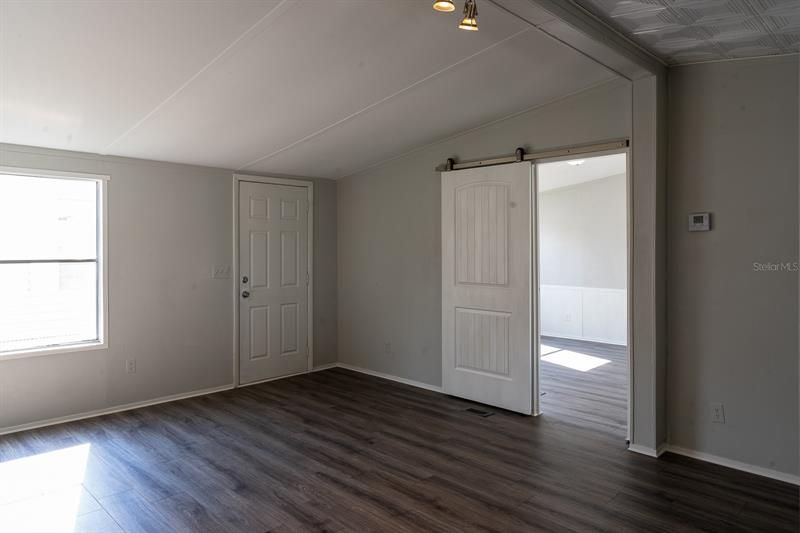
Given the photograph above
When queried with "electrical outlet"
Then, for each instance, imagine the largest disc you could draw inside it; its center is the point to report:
(130, 366)
(221, 272)
(387, 348)
(717, 413)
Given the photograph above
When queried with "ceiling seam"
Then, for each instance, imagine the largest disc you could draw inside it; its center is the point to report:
(484, 125)
(279, 8)
(382, 100)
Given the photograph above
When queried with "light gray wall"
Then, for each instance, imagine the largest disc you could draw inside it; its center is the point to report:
(167, 226)
(582, 234)
(390, 231)
(733, 332)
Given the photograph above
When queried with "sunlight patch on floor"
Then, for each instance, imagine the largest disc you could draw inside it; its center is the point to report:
(574, 360)
(43, 492)
(545, 349)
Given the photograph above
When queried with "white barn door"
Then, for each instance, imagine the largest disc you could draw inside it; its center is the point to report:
(488, 272)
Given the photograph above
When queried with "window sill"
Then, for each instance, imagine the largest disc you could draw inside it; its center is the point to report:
(53, 350)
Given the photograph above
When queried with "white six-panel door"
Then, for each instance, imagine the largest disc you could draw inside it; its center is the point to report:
(273, 281)
(488, 324)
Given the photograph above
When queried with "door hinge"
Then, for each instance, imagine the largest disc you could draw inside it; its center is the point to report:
(308, 207)
(308, 278)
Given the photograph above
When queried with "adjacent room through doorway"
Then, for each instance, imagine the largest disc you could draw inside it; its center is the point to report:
(583, 296)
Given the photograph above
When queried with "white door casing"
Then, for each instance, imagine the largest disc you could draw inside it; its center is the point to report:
(273, 281)
(488, 323)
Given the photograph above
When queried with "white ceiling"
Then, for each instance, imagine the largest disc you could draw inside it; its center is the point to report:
(299, 87)
(685, 31)
(561, 174)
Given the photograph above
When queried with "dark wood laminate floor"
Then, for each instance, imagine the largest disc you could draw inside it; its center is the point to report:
(341, 451)
(595, 398)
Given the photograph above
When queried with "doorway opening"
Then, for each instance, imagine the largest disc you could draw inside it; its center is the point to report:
(583, 282)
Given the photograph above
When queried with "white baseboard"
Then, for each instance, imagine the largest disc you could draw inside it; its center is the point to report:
(646, 450)
(390, 377)
(737, 465)
(262, 381)
(182, 396)
(111, 410)
(715, 459)
(144, 403)
(201, 392)
(324, 367)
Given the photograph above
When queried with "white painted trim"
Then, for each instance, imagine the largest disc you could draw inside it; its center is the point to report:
(102, 342)
(736, 465)
(147, 403)
(46, 173)
(304, 372)
(324, 367)
(629, 282)
(309, 185)
(111, 410)
(54, 350)
(310, 271)
(102, 285)
(276, 378)
(536, 292)
(644, 450)
(274, 181)
(717, 460)
(390, 377)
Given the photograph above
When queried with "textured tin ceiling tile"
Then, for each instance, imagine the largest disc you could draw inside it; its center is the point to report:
(681, 31)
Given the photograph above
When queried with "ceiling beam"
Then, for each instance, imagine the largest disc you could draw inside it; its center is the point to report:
(579, 29)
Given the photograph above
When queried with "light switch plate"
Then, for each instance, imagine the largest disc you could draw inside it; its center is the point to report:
(221, 272)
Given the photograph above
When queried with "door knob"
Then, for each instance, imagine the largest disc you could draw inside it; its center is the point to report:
(245, 294)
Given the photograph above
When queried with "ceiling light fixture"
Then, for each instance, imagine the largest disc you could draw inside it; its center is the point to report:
(576, 162)
(470, 20)
(445, 6)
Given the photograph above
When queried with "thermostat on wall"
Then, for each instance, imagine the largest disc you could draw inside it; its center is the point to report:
(699, 221)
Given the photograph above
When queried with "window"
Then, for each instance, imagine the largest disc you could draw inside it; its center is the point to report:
(52, 271)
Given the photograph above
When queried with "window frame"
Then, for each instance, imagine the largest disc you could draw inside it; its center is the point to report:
(102, 262)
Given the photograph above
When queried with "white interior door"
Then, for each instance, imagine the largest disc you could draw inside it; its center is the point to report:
(488, 273)
(273, 281)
